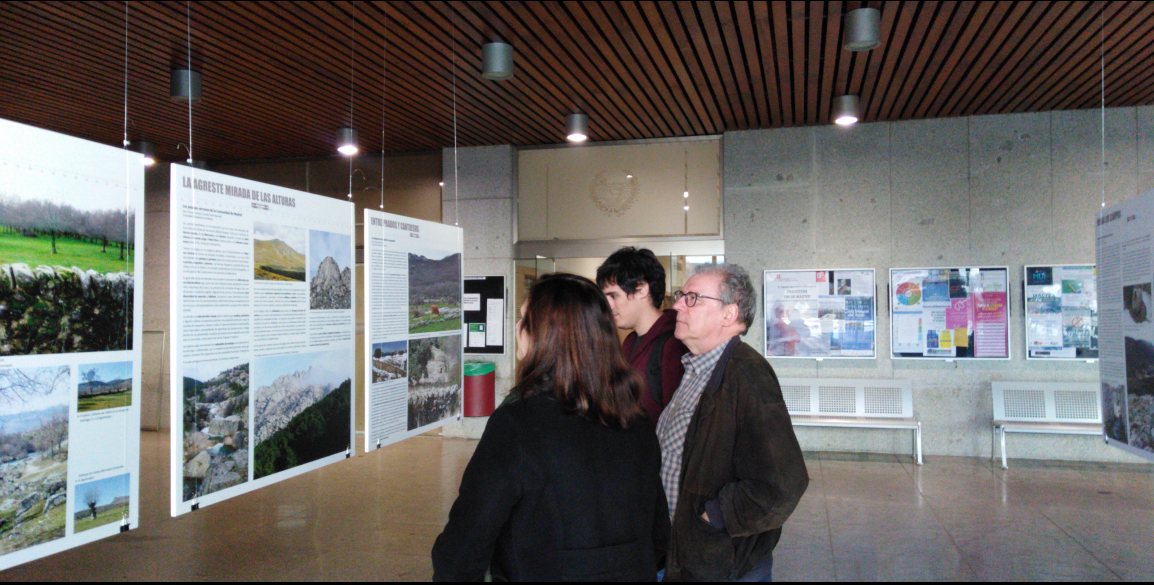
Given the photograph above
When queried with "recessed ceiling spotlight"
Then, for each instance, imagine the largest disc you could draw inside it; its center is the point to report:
(686, 194)
(147, 149)
(347, 141)
(686, 208)
(863, 29)
(184, 86)
(846, 110)
(576, 127)
(497, 61)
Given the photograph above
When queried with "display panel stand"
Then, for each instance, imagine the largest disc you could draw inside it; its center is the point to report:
(263, 335)
(414, 331)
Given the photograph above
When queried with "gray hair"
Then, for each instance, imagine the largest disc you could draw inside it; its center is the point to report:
(736, 288)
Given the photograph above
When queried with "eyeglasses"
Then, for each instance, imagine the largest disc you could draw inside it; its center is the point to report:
(691, 298)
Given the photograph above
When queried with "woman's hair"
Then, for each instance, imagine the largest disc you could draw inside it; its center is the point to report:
(575, 353)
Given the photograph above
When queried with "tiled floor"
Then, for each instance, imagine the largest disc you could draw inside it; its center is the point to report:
(375, 517)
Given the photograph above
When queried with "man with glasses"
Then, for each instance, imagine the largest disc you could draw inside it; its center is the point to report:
(731, 466)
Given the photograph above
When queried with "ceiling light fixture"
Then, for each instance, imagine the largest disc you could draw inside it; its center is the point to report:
(497, 61)
(184, 86)
(845, 110)
(576, 127)
(147, 149)
(347, 141)
(863, 29)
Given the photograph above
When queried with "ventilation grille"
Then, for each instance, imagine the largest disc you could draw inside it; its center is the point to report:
(1025, 403)
(883, 401)
(836, 400)
(797, 399)
(1075, 405)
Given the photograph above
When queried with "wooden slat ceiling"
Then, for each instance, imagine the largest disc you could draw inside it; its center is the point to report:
(277, 75)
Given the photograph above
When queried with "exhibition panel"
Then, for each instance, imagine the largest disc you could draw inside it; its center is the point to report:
(1126, 261)
(70, 341)
(413, 327)
(820, 313)
(1061, 312)
(263, 354)
(950, 313)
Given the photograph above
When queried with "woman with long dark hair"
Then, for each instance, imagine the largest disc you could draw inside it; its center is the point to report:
(565, 482)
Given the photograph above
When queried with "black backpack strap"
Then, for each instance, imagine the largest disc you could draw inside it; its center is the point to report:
(653, 368)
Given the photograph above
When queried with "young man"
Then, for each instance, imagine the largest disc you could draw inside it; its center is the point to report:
(634, 284)
(731, 466)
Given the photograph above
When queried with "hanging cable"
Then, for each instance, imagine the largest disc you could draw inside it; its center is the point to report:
(1102, 33)
(456, 183)
(384, 101)
(352, 87)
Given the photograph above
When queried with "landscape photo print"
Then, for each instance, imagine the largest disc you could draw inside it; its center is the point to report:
(278, 252)
(67, 265)
(34, 406)
(434, 380)
(216, 444)
(301, 409)
(104, 386)
(330, 271)
(434, 291)
(390, 361)
(100, 502)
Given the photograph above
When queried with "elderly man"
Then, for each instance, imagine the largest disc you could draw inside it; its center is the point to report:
(732, 469)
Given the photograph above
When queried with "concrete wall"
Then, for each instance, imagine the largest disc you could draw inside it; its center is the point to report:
(991, 190)
(482, 204)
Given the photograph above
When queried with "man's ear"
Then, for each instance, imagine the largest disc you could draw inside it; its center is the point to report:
(642, 290)
(729, 315)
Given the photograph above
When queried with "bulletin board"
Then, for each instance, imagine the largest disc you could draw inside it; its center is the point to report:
(485, 309)
(950, 313)
(1061, 303)
(820, 314)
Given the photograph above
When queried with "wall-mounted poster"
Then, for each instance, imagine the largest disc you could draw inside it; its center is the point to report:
(1061, 312)
(1126, 324)
(950, 313)
(263, 354)
(820, 313)
(414, 330)
(71, 225)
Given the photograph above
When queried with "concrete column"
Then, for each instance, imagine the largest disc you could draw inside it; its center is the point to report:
(479, 193)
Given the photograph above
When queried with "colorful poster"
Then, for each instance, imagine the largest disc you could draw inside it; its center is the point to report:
(1061, 312)
(414, 327)
(263, 347)
(820, 313)
(1125, 262)
(71, 314)
(950, 313)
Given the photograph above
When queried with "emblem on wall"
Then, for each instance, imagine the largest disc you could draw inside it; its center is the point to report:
(614, 197)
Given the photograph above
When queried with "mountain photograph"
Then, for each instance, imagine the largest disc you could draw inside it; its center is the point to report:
(216, 434)
(390, 361)
(434, 292)
(330, 271)
(278, 252)
(301, 410)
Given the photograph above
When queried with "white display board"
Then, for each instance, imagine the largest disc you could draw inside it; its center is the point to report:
(71, 229)
(950, 313)
(1061, 312)
(820, 314)
(263, 326)
(1126, 324)
(413, 327)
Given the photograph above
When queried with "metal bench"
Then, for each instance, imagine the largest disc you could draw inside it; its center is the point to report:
(859, 404)
(1044, 407)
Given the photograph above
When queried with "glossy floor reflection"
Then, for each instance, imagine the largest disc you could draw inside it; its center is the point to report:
(375, 517)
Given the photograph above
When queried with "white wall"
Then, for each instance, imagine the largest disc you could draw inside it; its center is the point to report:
(990, 190)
